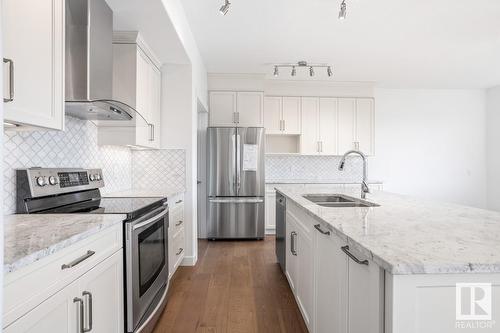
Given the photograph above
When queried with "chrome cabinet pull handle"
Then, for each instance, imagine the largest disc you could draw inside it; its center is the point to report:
(234, 117)
(284, 125)
(178, 223)
(345, 249)
(11, 80)
(78, 260)
(79, 302)
(318, 227)
(178, 202)
(238, 117)
(293, 234)
(180, 251)
(88, 295)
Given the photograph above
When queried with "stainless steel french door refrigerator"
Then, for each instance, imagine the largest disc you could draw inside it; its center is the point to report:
(236, 182)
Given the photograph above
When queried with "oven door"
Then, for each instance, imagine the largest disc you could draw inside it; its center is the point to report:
(146, 264)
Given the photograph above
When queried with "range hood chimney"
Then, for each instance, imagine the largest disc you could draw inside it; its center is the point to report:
(89, 63)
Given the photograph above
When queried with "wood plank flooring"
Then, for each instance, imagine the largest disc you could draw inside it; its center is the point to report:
(236, 287)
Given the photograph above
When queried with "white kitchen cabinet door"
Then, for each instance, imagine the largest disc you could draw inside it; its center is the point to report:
(58, 314)
(330, 288)
(222, 108)
(102, 287)
(346, 124)
(272, 114)
(305, 279)
(250, 109)
(291, 115)
(328, 126)
(33, 39)
(365, 123)
(291, 266)
(270, 211)
(366, 296)
(309, 141)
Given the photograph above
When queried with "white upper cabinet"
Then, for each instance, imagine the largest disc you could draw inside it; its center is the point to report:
(309, 141)
(273, 114)
(328, 126)
(250, 109)
(33, 50)
(282, 115)
(346, 124)
(136, 82)
(229, 108)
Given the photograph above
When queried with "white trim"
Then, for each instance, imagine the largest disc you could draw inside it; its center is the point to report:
(189, 261)
(134, 37)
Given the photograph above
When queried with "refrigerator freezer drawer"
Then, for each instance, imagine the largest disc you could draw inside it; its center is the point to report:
(235, 218)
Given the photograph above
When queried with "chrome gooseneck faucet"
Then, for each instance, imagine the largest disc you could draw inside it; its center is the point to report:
(364, 185)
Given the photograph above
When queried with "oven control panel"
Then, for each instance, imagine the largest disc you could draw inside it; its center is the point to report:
(44, 181)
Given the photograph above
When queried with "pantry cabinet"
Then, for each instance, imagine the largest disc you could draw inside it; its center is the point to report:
(136, 82)
(242, 108)
(282, 115)
(33, 50)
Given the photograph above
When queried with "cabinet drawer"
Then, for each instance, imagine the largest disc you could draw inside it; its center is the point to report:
(28, 287)
(176, 220)
(178, 250)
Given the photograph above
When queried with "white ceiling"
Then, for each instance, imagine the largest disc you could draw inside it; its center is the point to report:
(152, 21)
(396, 43)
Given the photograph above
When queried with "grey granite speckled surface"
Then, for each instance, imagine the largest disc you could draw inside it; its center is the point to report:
(144, 193)
(29, 238)
(406, 235)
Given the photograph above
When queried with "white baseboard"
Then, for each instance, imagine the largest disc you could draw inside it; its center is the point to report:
(189, 261)
(270, 231)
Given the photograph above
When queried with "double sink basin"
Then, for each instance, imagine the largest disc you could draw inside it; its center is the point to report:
(337, 200)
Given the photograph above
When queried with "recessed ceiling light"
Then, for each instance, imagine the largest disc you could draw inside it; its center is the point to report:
(343, 10)
(225, 7)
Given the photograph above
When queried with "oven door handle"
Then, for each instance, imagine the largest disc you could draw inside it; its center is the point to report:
(153, 219)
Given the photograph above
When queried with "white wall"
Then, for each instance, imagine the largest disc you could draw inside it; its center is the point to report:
(492, 144)
(431, 143)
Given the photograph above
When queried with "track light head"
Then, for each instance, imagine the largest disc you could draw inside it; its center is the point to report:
(225, 7)
(343, 10)
(276, 72)
(329, 71)
(311, 71)
(294, 71)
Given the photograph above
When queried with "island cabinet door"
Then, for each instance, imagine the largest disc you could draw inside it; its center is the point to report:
(291, 252)
(365, 294)
(330, 289)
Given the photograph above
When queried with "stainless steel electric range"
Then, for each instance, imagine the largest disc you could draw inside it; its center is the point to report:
(77, 191)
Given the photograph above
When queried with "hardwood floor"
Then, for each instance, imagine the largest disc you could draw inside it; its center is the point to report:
(236, 287)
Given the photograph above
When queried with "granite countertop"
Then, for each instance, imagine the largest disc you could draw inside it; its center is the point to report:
(406, 235)
(31, 237)
(144, 193)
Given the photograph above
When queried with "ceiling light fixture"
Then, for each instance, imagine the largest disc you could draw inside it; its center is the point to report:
(303, 64)
(343, 10)
(225, 7)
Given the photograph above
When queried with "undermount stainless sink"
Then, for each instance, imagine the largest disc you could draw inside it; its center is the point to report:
(337, 200)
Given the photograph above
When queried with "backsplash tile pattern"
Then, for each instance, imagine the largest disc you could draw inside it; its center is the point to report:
(159, 169)
(74, 147)
(303, 168)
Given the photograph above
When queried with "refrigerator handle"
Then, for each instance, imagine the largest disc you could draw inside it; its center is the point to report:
(238, 164)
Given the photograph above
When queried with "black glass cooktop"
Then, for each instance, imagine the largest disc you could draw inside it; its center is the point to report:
(132, 207)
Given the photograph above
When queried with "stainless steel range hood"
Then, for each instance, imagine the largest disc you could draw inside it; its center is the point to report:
(89, 63)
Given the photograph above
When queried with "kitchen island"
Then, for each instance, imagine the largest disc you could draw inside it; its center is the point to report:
(391, 268)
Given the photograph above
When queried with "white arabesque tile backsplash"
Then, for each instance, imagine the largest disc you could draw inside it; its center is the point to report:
(76, 146)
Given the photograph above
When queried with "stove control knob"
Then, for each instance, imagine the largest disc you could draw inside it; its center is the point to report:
(40, 181)
(98, 177)
(92, 178)
(52, 180)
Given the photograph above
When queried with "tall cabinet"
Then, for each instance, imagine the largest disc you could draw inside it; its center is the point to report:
(136, 82)
(33, 50)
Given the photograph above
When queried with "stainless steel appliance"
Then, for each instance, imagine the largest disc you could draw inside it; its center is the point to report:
(281, 230)
(89, 65)
(77, 191)
(236, 182)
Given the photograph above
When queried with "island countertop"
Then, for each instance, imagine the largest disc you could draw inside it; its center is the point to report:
(31, 237)
(406, 235)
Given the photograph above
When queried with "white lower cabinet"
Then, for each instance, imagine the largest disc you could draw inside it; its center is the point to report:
(337, 289)
(176, 233)
(270, 210)
(98, 293)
